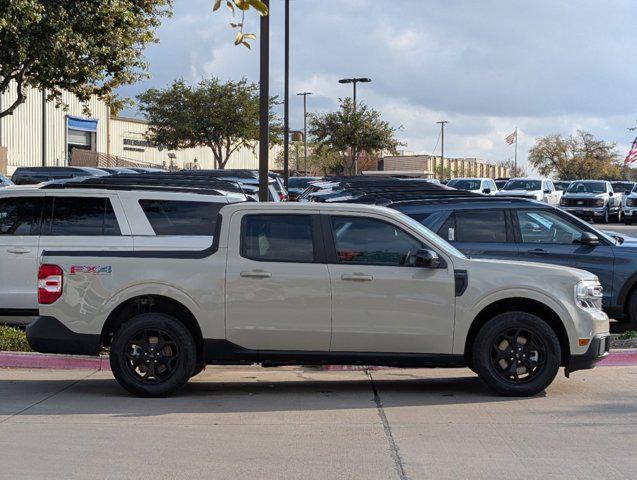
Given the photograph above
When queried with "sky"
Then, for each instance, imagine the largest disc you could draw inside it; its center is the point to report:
(487, 66)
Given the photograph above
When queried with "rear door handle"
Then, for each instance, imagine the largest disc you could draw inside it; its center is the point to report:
(19, 250)
(256, 274)
(537, 251)
(357, 277)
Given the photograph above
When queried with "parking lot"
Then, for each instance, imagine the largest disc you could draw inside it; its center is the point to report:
(250, 422)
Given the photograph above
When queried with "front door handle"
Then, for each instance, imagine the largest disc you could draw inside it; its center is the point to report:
(19, 250)
(256, 274)
(357, 277)
(537, 251)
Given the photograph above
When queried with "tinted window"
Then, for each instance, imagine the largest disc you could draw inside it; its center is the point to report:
(587, 187)
(277, 238)
(538, 226)
(20, 216)
(169, 217)
(480, 226)
(523, 185)
(464, 184)
(82, 216)
(448, 229)
(372, 242)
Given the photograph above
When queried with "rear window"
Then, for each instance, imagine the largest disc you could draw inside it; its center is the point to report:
(175, 217)
(81, 216)
(20, 216)
(277, 238)
(485, 226)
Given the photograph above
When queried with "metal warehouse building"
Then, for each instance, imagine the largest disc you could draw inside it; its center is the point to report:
(41, 134)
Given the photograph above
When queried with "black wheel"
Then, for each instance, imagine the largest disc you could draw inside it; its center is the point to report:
(198, 370)
(632, 310)
(606, 216)
(516, 354)
(152, 355)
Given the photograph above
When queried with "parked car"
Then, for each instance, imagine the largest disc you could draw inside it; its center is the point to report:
(622, 187)
(115, 217)
(4, 181)
(146, 169)
(541, 189)
(374, 287)
(629, 207)
(296, 185)
(117, 170)
(561, 185)
(516, 229)
(475, 185)
(593, 200)
(34, 175)
(501, 182)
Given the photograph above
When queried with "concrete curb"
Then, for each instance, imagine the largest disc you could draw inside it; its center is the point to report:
(617, 358)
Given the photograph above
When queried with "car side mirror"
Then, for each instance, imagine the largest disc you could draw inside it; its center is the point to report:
(486, 190)
(610, 194)
(427, 259)
(589, 238)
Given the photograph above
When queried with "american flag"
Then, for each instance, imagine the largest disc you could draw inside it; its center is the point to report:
(632, 154)
(511, 138)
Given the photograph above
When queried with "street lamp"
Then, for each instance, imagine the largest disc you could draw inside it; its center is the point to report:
(354, 81)
(304, 95)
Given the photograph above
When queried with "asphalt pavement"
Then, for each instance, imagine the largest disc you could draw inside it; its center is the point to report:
(294, 423)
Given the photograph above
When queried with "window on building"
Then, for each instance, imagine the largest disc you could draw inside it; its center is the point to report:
(278, 238)
(169, 217)
(81, 216)
(20, 216)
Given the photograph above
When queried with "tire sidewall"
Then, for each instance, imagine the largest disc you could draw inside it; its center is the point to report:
(481, 353)
(179, 334)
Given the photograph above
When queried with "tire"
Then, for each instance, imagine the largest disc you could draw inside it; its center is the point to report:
(491, 352)
(632, 310)
(627, 222)
(198, 370)
(606, 217)
(143, 368)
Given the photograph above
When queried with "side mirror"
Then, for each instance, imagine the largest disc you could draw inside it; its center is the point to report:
(589, 238)
(427, 259)
(610, 194)
(486, 190)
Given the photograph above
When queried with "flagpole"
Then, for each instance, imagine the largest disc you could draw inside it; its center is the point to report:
(515, 158)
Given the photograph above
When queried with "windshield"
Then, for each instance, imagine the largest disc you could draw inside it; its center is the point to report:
(465, 184)
(622, 186)
(435, 239)
(523, 185)
(587, 187)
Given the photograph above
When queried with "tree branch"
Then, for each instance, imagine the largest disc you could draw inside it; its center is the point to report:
(21, 95)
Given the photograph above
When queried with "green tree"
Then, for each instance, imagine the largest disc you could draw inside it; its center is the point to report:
(222, 116)
(514, 170)
(86, 47)
(580, 155)
(352, 132)
(242, 6)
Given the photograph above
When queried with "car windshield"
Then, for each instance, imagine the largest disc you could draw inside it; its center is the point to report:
(622, 186)
(523, 185)
(587, 187)
(299, 182)
(464, 184)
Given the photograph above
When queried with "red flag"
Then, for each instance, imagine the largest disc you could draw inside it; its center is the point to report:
(511, 138)
(632, 154)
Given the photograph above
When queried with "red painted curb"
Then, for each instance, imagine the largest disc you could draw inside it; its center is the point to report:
(620, 359)
(62, 362)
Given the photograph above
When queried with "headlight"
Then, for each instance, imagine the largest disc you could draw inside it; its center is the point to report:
(599, 202)
(588, 294)
(563, 202)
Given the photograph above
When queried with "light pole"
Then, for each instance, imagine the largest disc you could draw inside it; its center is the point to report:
(286, 99)
(354, 81)
(442, 147)
(264, 103)
(304, 95)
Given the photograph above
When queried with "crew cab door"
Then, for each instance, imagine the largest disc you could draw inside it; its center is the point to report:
(379, 303)
(277, 283)
(19, 229)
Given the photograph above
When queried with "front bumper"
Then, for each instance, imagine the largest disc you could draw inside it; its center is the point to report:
(49, 335)
(598, 349)
(586, 212)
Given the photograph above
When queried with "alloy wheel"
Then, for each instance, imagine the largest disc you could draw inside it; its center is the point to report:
(518, 355)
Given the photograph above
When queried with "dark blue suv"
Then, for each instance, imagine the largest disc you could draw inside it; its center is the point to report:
(518, 229)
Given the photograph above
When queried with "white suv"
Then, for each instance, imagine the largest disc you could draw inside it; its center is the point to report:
(34, 219)
(475, 185)
(541, 189)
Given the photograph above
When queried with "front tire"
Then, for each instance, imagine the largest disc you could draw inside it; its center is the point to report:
(516, 354)
(631, 310)
(152, 355)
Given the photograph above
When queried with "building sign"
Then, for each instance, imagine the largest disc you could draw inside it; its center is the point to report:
(136, 145)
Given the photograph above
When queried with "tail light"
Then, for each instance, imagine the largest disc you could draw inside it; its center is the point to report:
(50, 278)
(283, 197)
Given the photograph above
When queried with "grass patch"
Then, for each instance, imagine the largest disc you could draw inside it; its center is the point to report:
(13, 339)
(627, 335)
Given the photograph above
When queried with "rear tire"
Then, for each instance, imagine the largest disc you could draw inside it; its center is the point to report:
(516, 354)
(152, 355)
(631, 310)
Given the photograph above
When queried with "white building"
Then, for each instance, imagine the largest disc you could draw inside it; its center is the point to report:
(40, 134)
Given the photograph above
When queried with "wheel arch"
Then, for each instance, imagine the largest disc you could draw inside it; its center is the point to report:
(520, 304)
(152, 304)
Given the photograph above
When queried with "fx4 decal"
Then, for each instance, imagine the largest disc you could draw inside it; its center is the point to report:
(94, 269)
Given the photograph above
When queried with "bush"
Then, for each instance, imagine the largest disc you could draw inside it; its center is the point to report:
(13, 340)
(627, 335)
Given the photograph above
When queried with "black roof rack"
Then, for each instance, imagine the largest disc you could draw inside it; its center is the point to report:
(153, 181)
(463, 199)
